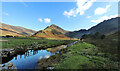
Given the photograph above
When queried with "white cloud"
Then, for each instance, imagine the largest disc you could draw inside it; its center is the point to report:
(70, 13)
(40, 20)
(82, 6)
(104, 18)
(89, 17)
(47, 20)
(100, 11)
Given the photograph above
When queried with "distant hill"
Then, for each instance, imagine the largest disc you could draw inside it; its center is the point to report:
(14, 30)
(106, 27)
(52, 31)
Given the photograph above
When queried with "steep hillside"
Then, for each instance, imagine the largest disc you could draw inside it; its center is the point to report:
(114, 35)
(14, 30)
(52, 31)
(53, 26)
(106, 27)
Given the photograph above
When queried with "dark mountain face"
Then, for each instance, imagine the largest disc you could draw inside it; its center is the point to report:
(76, 34)
(106, 27)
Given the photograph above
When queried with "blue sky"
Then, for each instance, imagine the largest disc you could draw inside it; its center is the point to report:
(68, 15)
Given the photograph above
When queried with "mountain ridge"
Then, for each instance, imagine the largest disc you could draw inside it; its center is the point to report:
(15, 30)
(53, 31)
(106, 27)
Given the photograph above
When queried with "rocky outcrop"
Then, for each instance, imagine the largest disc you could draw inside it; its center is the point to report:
(8, 66)
(6, 52)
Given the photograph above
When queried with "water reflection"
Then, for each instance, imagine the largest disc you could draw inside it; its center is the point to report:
(30, 58)
(47, 56)
(27, 54)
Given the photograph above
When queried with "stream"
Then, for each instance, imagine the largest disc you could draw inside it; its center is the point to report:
(30, 58)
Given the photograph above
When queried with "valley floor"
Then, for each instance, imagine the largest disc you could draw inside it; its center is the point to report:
(34, 42)
(95, 54)
(80, 56)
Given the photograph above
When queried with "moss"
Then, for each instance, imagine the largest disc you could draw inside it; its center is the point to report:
(48, 49)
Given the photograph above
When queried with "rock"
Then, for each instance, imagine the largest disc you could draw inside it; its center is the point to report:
(7, 66)
(14, 67)
(12, 52)
(6, 52)
(10, 64)
(0, 67)
(50, 68)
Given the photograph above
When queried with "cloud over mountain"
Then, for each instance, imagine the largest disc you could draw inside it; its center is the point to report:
(100, 11)
(82, 6)
(104, 18)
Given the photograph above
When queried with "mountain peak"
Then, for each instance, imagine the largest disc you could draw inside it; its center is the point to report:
(52, 31)
(53, 25)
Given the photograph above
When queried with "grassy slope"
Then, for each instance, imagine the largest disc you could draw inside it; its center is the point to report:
(4, 33)
(14, 30)
(107, 45)
(85, 56)
(91, 54)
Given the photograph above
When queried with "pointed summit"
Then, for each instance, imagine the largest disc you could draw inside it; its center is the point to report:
(52, 31)
(53, 25)
(58, 28)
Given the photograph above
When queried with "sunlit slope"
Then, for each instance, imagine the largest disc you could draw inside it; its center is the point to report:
(14, 30)
(52, 31)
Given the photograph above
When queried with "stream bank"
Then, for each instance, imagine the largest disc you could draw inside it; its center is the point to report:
(54, 59)
(80, 56)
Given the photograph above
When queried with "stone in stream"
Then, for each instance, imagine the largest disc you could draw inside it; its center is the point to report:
(5, 64)
(10, 65)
